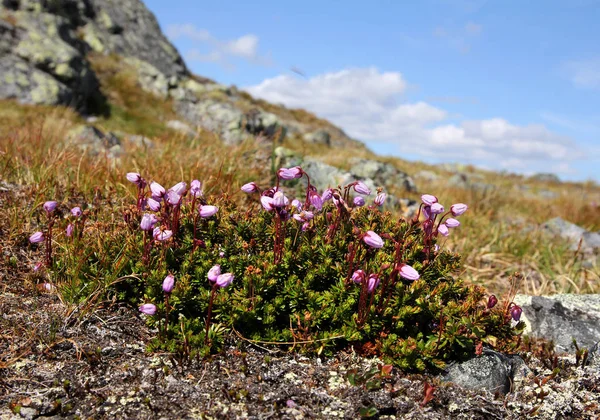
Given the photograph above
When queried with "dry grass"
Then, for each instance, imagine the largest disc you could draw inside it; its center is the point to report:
(499, 235)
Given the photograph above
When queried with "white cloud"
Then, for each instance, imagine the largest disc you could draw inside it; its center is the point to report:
(368, 105)
(585, 74)
(220, 51)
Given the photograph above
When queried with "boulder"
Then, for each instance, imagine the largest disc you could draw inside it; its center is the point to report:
(95, 142)
(318, 137)
(181, 127)
(381, 174)
(562, 318)
(495, 372)
(573, 234)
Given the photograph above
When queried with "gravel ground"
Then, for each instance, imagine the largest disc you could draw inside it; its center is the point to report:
(58, 363)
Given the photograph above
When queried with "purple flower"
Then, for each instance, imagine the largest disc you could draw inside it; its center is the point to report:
(359, 201)
(409, 273)
(250, 187)
(214, 272)
(196, 188)
(207, 211)
(361, 188)
(280, 200)
(428, 199)
(291, 173)
(443, 230)
(492, 301)
(69, 230)
(380, 199)
(173, 198)
(516, 312)
(305, 226)
(373, 282)
(358, 276)
(153, 204)
(224, 280)
(161, 234)
(304, 216)
(437, 208)
(148, 221)
(38, 265)
(158, 191)
(168, 284)
(452, 223)
(148, 309)
(458, 209)
(327, 194)
(76, 211)
(267, 203)
(316, 201)
(37, 237)
(134, 177)
(50, 206)
(372, 239)
(297, 203)
(180, 188)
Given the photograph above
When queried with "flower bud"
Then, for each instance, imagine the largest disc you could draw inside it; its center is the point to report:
(361, 188)
(173, 198)
(316, 201)
(437, 208)
(69, 230)
(458, 209)
(452, 223)
(134, 177)
(297, 204)
(429, 199)
(372, 239)
(250, 187)
(373, 282)
(358, 276)
(516, 312)
(224, 280)
(327, 194)
(409, 273)
(180, 188)
(148, 309)
(380, 199)
(153, 204)
(37, 237)
(443, 230)
(291, 173)
(168, 284)
(158, 191)
(207, 211)
(267, 203)
(359, 201)
(492, 301)
(148, 221)
(214, 272)
(50, 206)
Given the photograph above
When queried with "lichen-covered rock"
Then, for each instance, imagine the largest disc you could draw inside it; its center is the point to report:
(590, 241)
(491, 371)
(181, 127)
(382, 174)
(94, 142)
(562, 318)
(318, 137)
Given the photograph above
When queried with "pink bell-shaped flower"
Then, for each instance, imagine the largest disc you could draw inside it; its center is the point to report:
(443, 230)
(429, 199)
(452, 223)
(409, 273)
(250, 187)
(224, 280)
(380, 199)
(372, 239)
(168, 284)
(207, 211)
(214, 272)
(76, 211)
(358, 201)
(458, 209)
(37, 237)
(50, 206)
(196, 188)
(148, 309)
(148, 221)
(361, 188)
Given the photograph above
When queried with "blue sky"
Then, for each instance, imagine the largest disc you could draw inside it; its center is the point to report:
(498, 84)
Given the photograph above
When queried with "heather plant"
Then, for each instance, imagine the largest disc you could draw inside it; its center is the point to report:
(319, 272)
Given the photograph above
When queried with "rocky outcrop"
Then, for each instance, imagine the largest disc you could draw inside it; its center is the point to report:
(573, 234)
(562, 319)
(43, 47)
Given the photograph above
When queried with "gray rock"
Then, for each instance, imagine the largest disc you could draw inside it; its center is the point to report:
(467, 182)
(546, 177)
(573, 234)
(427, 175)
(136, 140)
(28, 413)
(318, 137)
(323, 176)
(594, 355)
(181, 127)
(562, 318)
(94, 141)
(257, 122)
(491, 371)
(382, 174)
